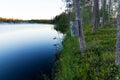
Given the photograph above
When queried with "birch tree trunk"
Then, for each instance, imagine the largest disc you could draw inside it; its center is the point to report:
(95, 15)
(78, 18)
(118, 37)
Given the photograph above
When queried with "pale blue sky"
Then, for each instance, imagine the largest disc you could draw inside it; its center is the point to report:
(31, 9)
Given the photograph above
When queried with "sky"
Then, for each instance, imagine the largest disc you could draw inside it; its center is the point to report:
(31, 9)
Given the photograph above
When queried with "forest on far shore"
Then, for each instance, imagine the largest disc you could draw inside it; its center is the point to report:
(13, 20)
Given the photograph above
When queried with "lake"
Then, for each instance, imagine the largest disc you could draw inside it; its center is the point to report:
(27, 51)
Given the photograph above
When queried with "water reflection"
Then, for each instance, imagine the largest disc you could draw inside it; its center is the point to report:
(26, 50)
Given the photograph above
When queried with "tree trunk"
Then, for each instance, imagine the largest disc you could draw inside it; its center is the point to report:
(118, 37)
(103, 13)
(95, 15)
(78, 18)
(109, 11)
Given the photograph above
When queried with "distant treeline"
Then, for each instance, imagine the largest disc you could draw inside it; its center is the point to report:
(40, 21)
(12, 20)
(9, 20)
(61, 21)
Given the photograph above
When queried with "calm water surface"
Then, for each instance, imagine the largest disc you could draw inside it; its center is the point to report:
(27, 51)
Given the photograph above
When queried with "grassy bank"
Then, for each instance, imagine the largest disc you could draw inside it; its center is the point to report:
(97, 63)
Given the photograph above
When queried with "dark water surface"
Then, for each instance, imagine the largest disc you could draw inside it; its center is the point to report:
(27, 51)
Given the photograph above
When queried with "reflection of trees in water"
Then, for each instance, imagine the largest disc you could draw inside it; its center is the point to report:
(58, 44)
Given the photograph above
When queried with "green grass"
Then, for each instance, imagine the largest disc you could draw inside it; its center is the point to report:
(97, 63)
